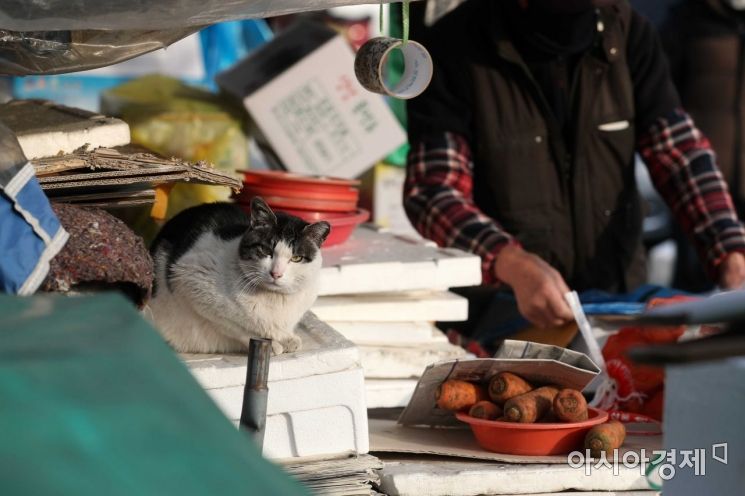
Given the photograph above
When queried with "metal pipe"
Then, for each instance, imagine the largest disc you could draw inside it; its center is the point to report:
(255, 391)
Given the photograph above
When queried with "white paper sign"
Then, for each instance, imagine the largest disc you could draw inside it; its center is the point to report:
(320, 121)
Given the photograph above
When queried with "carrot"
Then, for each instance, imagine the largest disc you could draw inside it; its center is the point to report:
(605, 438)
(549, 418)
(485, 410)
(455, 395)
(506, 385)
(570, 406)
(529, 407)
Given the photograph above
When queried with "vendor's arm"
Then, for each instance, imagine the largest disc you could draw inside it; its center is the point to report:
(438, 200)
(681, 162)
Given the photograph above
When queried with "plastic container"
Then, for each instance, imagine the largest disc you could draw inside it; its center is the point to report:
(342, 193)
(342, 224)
(295, 181)
(306, 203)
(513, 438)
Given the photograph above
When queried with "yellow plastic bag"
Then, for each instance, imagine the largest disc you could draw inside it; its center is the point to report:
(174, 119)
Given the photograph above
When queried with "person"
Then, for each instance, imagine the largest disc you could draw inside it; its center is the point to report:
(523, 150)
(704, 43)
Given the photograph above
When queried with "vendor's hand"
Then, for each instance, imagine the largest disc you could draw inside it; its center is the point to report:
(732, 271)
(539, 288)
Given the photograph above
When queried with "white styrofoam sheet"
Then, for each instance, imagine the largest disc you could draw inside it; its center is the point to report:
(390, 333)
(373, 260)
(316, 405)
(393, 307)
(405, 362)
(317, 415)
(389, 393)
(465, 478)
(323, 351)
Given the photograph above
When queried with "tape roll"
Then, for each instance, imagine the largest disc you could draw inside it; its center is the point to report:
(369, 67)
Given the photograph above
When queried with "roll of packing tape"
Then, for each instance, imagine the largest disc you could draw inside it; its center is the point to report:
(369, 67)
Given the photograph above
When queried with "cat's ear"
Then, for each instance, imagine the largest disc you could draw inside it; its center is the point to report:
(317, 232)
(261, 214)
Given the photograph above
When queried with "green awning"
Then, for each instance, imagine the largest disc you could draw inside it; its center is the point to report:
(93, 402)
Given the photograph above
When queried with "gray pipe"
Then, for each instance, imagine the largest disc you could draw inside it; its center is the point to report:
(256, 392)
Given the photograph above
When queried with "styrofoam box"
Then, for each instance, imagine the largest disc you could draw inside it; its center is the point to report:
(316, 404)
(373, 261)
(414, 306)
(389, 393)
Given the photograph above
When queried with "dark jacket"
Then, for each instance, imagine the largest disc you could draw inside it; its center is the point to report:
(572, 201)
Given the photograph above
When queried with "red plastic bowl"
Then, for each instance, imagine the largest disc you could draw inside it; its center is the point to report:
(346, 193)
(512, 438)
(308, 200)
(300, 204)
(342, 224)
(295, 181)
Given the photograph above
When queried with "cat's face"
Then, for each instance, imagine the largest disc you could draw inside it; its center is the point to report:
(280, 252)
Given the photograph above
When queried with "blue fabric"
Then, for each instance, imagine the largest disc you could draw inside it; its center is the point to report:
(32, 199)
(504, 319)
(21, 249)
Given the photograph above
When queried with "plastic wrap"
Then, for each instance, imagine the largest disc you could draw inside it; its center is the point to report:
(56, 52)
(55, 15)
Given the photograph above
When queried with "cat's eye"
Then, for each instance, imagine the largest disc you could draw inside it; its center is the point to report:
(296, 259)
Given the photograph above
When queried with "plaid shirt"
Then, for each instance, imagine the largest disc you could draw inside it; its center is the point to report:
(439, 202)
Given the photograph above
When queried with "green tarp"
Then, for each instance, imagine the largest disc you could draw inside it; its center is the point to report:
(93, 402)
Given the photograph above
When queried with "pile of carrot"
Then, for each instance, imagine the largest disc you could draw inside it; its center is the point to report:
(509, 397)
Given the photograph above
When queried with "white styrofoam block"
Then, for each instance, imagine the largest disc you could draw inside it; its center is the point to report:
(316, 405)
(405, 362)
(390, 333)
(52, 143)
(46, 129)
(316, 415)
(373, 260)
(389, 393)
(393, 307)
(595, 493)
(456, 478)
(323, 350)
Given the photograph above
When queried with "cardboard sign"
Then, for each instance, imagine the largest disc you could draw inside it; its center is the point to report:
(318, 118)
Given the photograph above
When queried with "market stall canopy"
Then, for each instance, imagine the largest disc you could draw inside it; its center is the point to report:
(58, 15)
(59, 36)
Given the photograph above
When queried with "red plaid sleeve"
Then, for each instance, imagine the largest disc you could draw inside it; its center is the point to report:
(682, 166)
(438, 200)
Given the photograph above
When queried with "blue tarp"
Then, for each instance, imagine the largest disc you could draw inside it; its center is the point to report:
(30, 233)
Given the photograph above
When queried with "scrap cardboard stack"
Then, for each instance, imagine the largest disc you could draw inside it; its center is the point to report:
(383, 292)
(85, 158)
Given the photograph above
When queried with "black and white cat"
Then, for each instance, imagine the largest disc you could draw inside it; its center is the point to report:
(222, 277)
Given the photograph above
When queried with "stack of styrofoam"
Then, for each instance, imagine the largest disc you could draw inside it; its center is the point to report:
(316, 406)
(383, 292)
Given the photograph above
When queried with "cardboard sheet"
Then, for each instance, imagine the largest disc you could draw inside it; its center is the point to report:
(386, 436)
(111, 177)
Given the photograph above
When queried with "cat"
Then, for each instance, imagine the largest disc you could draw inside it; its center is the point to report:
(223, 276)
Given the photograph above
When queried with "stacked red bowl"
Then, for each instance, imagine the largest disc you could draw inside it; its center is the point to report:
(311, 198)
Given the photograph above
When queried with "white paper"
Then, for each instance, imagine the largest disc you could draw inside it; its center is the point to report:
(320, 121)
